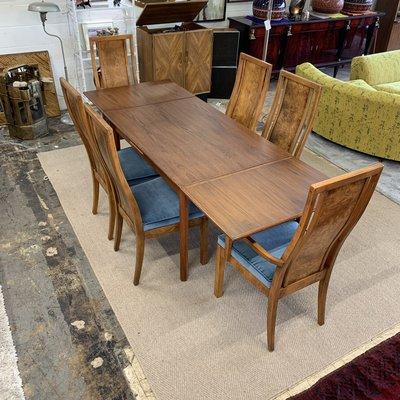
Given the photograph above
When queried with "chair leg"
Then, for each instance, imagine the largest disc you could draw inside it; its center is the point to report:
(95, 194)
(322, 294)
(219, 272)
(139, 258)
(204, 241)
(118, 231)
(111, 219)
(271, 320)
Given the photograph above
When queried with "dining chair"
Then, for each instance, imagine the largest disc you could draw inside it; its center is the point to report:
(150, 208)
(135, 168)
(113, 68)
(249, 91)
(293, 111)
(286, 258)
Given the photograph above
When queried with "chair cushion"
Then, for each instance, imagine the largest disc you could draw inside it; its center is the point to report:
(159, 204)
(274, 240)
(135, 168)
(393, 88)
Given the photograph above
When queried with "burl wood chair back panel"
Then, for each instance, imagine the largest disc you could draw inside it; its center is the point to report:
(293, 111)
(249, 92)
(104, 137)
(332, 210)
(113, 68)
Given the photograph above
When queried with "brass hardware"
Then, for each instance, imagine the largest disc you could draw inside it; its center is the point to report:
(252, 35)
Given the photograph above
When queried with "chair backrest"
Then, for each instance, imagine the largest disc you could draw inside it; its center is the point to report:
(76, 110)
(332, 210)
(104, 137)
(250, 90)
(293, 111)
(113, 68)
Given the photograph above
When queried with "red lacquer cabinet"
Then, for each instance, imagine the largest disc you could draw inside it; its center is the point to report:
(322, 42)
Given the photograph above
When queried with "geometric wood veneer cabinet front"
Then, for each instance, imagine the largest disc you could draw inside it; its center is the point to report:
(184, 56)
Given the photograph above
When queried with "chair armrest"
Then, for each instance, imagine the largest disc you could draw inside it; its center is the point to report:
(262, 252)
(377, 68)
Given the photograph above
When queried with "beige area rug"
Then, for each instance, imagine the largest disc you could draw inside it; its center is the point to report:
(193, 346)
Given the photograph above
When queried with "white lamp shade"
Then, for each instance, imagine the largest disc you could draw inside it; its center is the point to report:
(43, 7)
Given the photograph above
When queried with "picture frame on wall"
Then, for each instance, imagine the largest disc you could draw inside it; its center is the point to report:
(214, 11)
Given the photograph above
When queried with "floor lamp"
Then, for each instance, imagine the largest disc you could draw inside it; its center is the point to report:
(267, 32)
(43, 7)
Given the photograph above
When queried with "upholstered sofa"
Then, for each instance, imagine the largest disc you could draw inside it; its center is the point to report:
(357, 115)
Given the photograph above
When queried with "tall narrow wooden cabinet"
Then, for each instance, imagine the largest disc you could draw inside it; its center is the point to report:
(389, 32)
(182, 53)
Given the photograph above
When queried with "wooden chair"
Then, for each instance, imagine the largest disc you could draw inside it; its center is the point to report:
(291, 256)
(151, 209)
(113, 68)
(293, 111)
(76, 110)
(249, 92)
(136, 170)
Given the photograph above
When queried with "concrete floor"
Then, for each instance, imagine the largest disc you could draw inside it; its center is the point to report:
(68, 341)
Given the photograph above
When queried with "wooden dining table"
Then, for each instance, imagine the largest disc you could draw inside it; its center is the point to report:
(241, 181)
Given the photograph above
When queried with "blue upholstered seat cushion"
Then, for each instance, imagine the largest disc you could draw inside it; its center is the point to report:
(274, 240)
(135, 168)
(159, 204)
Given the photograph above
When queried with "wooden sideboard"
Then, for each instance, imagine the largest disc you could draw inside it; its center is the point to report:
(322, 42)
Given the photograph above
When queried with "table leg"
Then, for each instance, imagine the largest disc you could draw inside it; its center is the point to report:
(117, 140)
(183, 238)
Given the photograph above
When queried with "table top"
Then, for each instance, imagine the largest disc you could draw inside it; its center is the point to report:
(138, 95)
(241, 181)
(190, 141)
(255, 199)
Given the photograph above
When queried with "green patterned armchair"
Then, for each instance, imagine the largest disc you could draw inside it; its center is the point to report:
(356, 115)
(381, 70)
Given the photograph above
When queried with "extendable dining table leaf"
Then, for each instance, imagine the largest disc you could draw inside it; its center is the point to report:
(242, 182)
(140, 94)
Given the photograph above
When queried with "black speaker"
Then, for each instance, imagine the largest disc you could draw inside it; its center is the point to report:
(225, 60)
(222, 82)
(226, 47)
